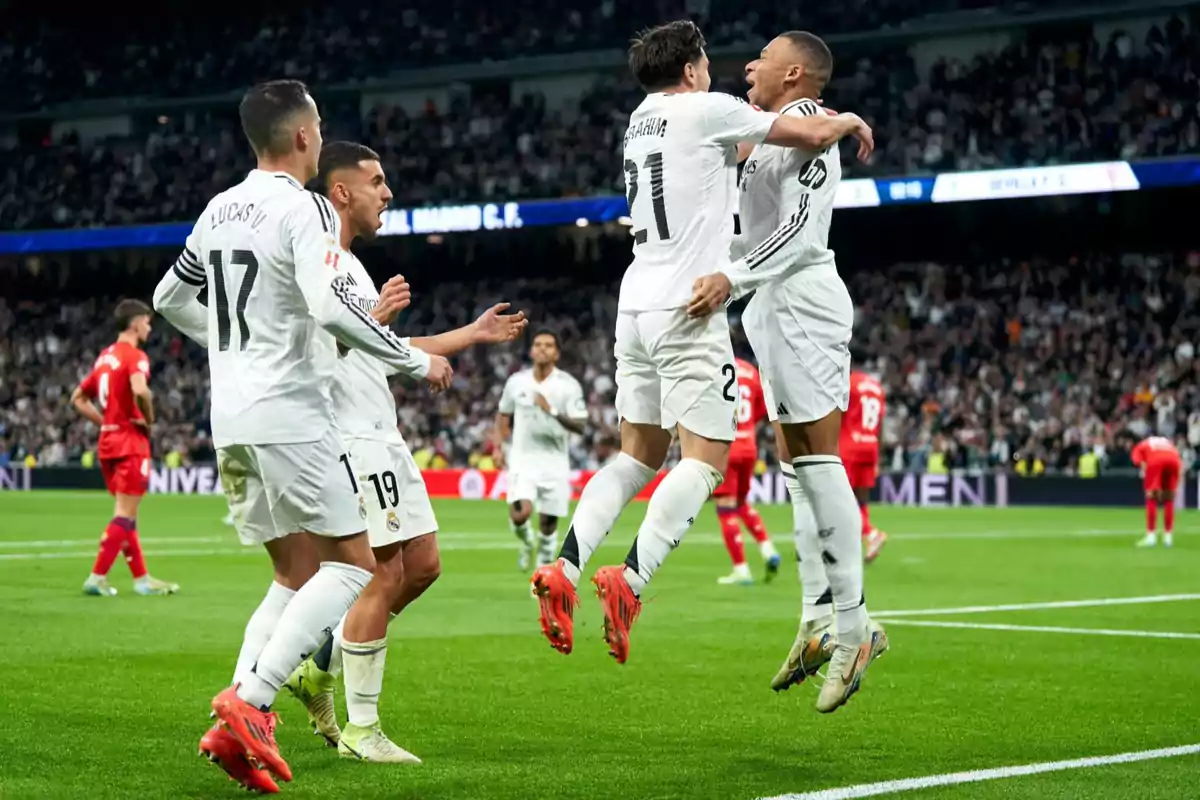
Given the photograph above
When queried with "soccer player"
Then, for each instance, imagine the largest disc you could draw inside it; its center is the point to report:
(116, 397)
(540, 408)
(859, 450)
(730, 496)
(266, 254)
(400, 523)
(1161, 466)
(799, 323)
(675, 374)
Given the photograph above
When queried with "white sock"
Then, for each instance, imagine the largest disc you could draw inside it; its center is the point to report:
(602, 501)
(522, 531)
(302, 628)
(672, 510)
(547, 547)
(260, 627)
(364, 680)
(335, 655)
(814, 583)
(839, 534)
(94, 578)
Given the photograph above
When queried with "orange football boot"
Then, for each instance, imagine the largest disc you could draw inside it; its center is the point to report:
(557, 601)
(621, 609)
(221, 748)
(254, 729)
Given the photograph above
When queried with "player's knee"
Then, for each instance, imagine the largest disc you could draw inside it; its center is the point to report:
(519, 512)
(424, 572)
(389, 570)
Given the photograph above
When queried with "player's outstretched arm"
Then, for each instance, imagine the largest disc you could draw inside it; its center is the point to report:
(86, 408)
(819, 131)
(177, 296)
(492, 327)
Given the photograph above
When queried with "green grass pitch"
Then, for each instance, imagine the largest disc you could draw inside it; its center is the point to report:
(107, 698)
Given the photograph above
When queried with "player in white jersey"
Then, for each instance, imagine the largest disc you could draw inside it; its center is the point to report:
(675, 374)
(540, 408)
(799, 323)
(400, 523)
(264, 253)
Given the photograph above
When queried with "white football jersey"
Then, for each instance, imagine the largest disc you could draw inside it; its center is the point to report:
(681, 184)
(266, 255)
(540, 444)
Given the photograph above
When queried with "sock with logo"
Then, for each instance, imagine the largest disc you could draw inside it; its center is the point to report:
(260, 627)
(364, 680)
(111, 543)
(814, 583)
(132, 549)
(602, 501)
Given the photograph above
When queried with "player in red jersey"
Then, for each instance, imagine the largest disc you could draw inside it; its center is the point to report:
(859, 449)
(115, 396)
(1161, 467)
(730, 496)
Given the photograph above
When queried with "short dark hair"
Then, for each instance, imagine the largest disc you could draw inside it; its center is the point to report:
(658, 55)
(129, 310)
(339, 155)
(264, 110)
(546, 332)
(817, 58)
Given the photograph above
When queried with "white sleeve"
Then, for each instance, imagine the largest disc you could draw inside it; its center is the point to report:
(576, 405)
(311, 230)
(508, 403)
(177, 296)
(729, 120)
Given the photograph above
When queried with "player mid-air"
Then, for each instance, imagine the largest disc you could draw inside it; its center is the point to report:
(859, 450)
(799, 324)
(675, 373)
(540, 408)
(1160, 465)
(266, 253)
(400, 521)
(731, 496)
(115, 397)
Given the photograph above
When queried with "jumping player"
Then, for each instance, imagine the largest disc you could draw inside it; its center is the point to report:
(116, 397)
(730, 496)
(859, 449)
(1161, 467)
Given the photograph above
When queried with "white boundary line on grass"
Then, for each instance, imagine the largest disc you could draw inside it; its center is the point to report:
(977, 775)
(1100, 601)
(998, 626)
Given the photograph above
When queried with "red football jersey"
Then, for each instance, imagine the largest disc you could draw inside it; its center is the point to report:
(751, 410)
(1155, 449)
(863, 418)
(108, 385)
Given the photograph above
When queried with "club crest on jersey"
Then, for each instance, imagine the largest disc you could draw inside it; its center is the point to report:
(331, 259)
(393, 524)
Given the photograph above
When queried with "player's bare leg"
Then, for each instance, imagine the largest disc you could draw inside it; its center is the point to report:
(731, 533)
(519, 513)
(873, 538)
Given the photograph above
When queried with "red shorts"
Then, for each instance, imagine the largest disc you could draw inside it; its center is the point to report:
(126, 475)
(1162, 476)
(737, 479)
(862, 473)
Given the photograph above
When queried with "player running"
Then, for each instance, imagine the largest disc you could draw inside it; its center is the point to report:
(540, 408)
(859, 449)
(1161, 466)
(730, 496)
(266, 254)
(799, 324)
(400, 523)
(119, 385)
(675, 374)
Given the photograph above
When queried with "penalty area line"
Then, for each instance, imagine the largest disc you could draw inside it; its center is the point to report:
(979, 775)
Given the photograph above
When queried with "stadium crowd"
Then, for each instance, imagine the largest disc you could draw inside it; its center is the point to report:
(1037, 101)
(987, 363)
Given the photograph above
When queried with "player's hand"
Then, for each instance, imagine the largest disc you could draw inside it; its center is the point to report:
(494, 326)
(439, 375)
(708, 294)
(542, 402)
(861, 131)
(394, 297)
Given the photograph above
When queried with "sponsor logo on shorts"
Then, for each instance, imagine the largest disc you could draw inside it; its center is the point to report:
(393, 524)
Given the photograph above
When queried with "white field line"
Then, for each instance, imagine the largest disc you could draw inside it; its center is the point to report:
(233, 550)
(1101, 601)
(978, 775)
(990, 626)
(44, 543)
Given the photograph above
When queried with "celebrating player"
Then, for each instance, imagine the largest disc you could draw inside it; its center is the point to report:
(674, 373)
(539, 409)
(400, 521)
(730, 496)
(859, 449)
(119, 385)
(799, 324)
(1161, 466)
(266, 253)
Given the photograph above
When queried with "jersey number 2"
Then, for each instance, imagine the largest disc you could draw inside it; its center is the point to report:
(654, 163)
(238, 258)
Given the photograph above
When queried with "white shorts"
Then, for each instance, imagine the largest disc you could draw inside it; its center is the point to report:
(277, 489)
(800, 332)
(549, 494)
(398, 507)
(672, 370)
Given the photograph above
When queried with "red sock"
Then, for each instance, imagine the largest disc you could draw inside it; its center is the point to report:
(1169, 516)
(753, 523)
(866, 518)
(1152, 516)
(133, 553)
(732, 534)
(111, 543)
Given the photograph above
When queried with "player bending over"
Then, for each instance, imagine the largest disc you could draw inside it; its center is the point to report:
(730, 496)
(540, 408)
(116, 397)
(799, 324)
(859, 449)
(1161, 466)
(266, 253)
(400, 523)
(675, 374)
